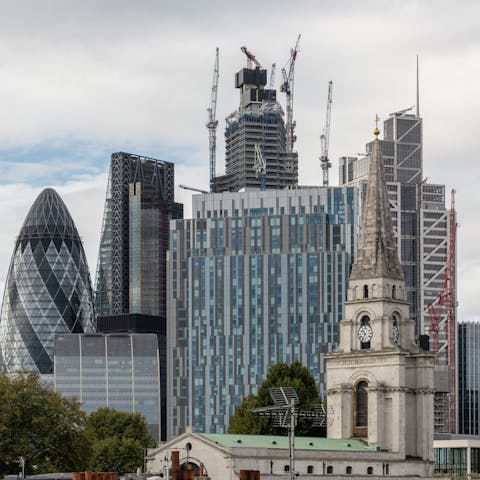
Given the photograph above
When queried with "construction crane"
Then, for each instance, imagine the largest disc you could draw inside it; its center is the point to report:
(250, 58)
(288, 88)
(446, 303)
(271, 84)
(193, 189)
(401, 112)
(325, 137)
(212, 124)
(260, 166)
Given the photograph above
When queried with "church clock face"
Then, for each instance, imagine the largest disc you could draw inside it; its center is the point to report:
(395, 333)
(365, 333)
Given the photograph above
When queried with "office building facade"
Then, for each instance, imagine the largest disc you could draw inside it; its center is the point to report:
(130, 287)
(48, 289)
(468, 378)
(255, 278)
(256, 128)
(119, 371)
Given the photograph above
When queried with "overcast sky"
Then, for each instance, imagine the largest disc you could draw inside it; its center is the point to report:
(81, 79)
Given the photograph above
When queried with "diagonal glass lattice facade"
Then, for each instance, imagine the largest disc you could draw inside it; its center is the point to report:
(48, 288)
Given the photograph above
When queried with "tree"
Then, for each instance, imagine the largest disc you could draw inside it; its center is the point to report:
(118, 440)
(41, 426)
(116, 454)
(244, 421)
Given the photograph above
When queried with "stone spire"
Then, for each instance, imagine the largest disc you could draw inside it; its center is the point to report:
(377, 252)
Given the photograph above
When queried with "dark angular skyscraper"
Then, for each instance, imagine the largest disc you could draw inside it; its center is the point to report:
(130, 287)
(48, 288)
(132, 259)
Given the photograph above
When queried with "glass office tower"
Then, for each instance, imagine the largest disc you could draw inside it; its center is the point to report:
(48, 288)
(468, 378)
(119, 371)
(255, 279)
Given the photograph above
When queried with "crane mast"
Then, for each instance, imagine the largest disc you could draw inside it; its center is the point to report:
(288, 88)
(325, 137)
(212, 123)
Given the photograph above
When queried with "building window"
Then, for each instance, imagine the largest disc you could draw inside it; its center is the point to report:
(286, 468)
(310, 469)
(394, 292)
(361, 409)
(329, 469)
(365, 291)
(370, 471)
(348, 470)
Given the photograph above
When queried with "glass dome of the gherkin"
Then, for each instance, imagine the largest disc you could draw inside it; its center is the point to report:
(48, 289)
(48, 216)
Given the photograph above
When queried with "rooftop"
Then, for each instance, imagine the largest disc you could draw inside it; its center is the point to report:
(281, 442)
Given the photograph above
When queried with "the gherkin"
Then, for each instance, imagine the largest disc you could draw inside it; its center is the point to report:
(48, 288)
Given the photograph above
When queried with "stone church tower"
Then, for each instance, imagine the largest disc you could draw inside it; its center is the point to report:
(379, 382)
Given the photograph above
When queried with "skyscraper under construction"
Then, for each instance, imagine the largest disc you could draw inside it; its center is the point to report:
(257, 153)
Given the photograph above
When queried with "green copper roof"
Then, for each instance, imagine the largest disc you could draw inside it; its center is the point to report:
(281, 442)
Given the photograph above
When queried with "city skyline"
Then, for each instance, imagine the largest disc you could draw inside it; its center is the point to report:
(140, 87)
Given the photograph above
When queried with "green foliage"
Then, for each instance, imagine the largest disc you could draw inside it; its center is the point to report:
(118, 440)
(40, 426)
(116, 454)
(280, 375)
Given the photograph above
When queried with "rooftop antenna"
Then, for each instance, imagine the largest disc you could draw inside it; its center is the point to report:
(285, 413)
(418, 92)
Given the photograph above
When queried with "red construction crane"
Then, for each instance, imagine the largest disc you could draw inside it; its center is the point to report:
(446, 303)
(250, 58)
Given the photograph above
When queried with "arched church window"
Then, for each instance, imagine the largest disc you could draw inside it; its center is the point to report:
(365, 291)
(394, 293)
(329, 469)
(348, 470)
(310, 469)
(361, 409)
